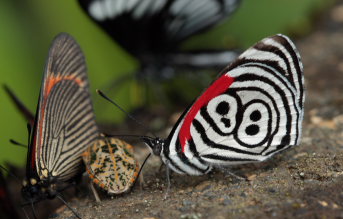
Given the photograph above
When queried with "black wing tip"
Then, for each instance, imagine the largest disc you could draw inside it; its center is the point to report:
(282, 39)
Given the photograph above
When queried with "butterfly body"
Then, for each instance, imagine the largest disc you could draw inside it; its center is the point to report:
(64, 125)
(253, 110)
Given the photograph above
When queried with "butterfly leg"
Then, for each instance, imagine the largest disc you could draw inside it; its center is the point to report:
(66, 204)
(25, 213)
(141, 181)
(95, 193)
(33, 211)
(228, 172)
(168, 180)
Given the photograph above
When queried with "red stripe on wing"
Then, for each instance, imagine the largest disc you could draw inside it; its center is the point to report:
(50, 82)
(218, 87)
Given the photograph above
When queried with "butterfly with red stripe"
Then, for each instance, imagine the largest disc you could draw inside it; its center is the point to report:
(253, 110)
(64, 125)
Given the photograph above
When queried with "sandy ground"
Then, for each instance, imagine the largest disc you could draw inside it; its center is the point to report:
(306, 181)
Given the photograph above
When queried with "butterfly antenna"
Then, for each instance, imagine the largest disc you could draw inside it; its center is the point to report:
(25, 213)
(140, 169)
(120, 108)
(66, 204)
(33, 210)
(129, 136)
(17, 143)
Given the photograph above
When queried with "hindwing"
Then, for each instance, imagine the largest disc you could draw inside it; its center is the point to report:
(111, 165)
(251, 111)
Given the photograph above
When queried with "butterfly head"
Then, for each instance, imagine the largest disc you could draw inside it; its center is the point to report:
(35, 190)
(31, 189)
(155, 144)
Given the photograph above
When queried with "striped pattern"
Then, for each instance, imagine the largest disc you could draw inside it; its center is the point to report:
(184, 17)
(65, 124)
(252, 111)
(111, 165)
(148, 28)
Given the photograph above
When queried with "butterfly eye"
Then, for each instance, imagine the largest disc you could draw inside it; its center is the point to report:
(255, 125)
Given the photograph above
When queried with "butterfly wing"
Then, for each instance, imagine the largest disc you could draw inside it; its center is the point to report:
(209, 59)
(253, 110)
(156, 26)
(65, 123)
(111, 165)
(20, 106)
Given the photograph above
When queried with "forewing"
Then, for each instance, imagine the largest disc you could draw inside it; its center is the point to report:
(65, 123)
(143, 26)
(253, 110)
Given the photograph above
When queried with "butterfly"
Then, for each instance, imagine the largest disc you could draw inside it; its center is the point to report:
(64, 124)
(109, 161)
(152, 31)
(253, 110)
(111, 165)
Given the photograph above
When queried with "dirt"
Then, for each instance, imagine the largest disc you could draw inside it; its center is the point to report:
(305, 181)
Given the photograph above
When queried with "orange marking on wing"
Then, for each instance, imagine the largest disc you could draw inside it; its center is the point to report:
(50, 82)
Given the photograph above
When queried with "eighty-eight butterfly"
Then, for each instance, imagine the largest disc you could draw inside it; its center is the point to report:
(152, 30)
(253, 110)
(111, 165)
(64, 125)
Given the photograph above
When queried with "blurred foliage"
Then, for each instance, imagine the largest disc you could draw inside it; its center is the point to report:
(28, 27)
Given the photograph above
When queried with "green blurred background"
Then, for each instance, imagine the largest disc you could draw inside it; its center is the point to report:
(27, 28)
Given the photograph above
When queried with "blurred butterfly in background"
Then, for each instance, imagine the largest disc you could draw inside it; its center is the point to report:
(152, 31)
(111, 165)
(64, 125)
(253, 110)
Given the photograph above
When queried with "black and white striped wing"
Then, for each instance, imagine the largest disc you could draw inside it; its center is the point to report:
(65, 124)
(253, 110)
(156, 25)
